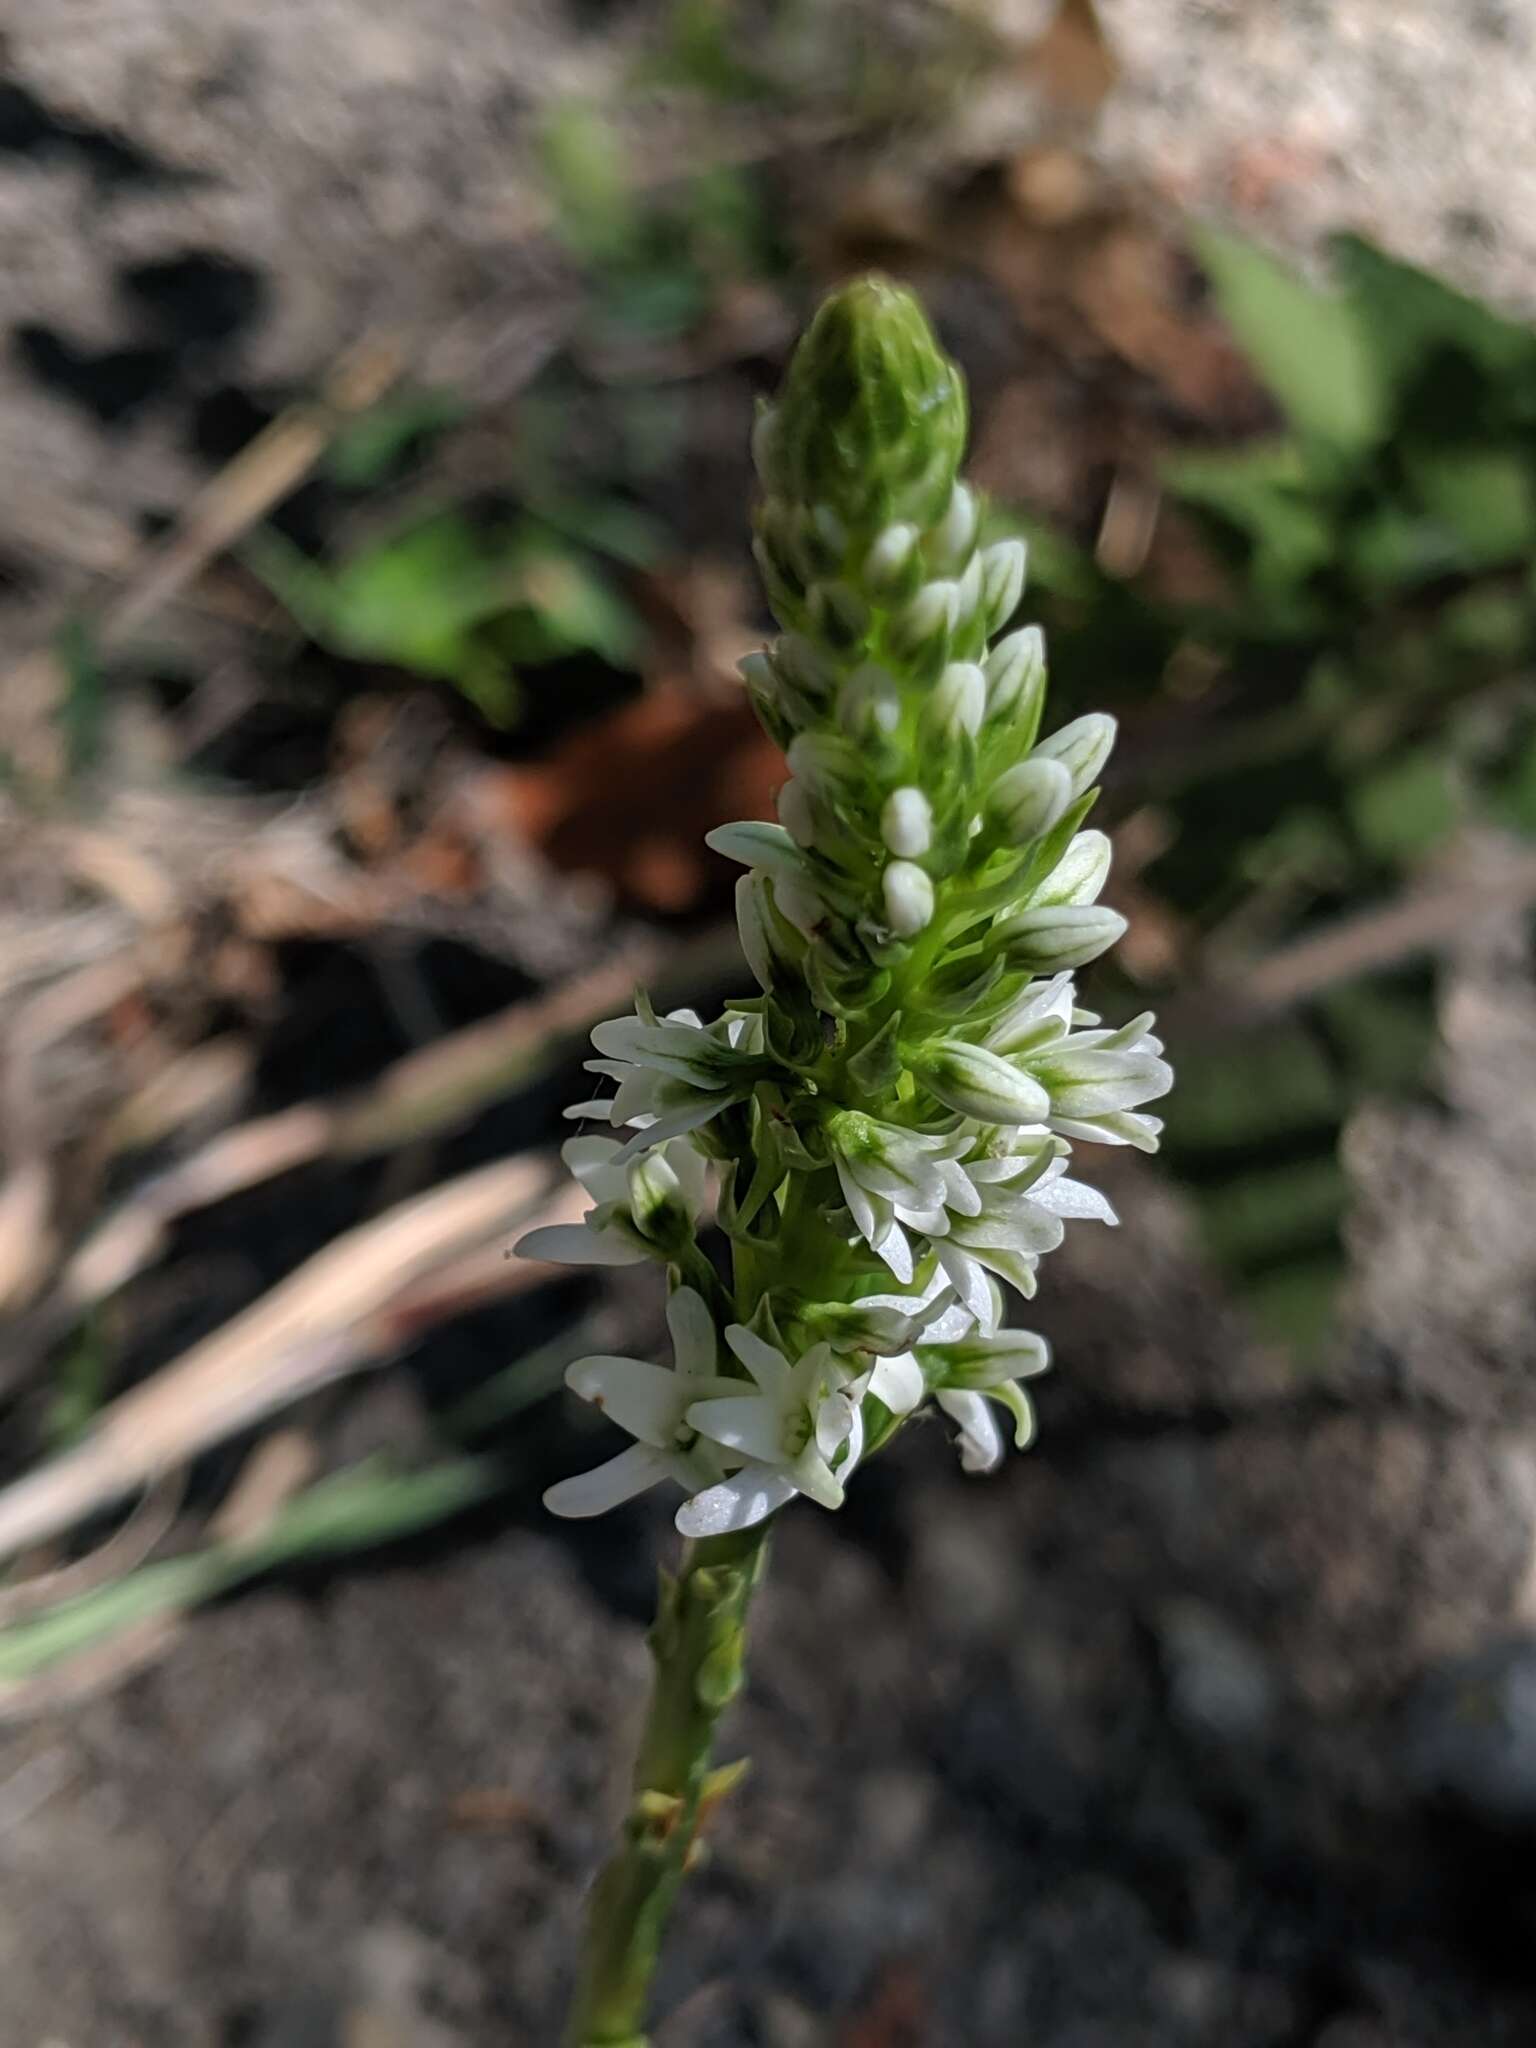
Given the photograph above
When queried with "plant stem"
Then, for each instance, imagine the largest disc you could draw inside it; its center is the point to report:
(698, 1643)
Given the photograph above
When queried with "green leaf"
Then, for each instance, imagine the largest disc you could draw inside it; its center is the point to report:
(1403, 809)
(1483, 496)
(1308, 346)
(587, 171)
(369, 448)
(1410, 315)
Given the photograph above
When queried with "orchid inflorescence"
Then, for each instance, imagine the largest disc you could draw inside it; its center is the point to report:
(888, 1124)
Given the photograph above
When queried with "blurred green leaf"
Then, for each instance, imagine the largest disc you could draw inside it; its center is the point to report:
(369, 448)
(1261, 1215)
(1402, 809)
(587, 172)
(1409, 315)
(1270, 1085)
(1483, 496)
(1307, 345)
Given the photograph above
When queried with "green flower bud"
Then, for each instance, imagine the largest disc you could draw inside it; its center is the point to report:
(951, 543)
(1045, 941)
(1015, 672)
(1002, 583)
(1082, 748)
(1027, 800)
(893, 568)
(871, 419)
(979, 1083)
(1079, 875)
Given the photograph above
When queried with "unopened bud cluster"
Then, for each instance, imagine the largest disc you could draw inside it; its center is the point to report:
(890, 1120)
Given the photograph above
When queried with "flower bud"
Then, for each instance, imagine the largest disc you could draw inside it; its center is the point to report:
(958, 701)
(838, 614)
(1079, 875)
(763, 940)
(978, 1361)
(922, 629)
(830, 767)
(1016, 683)
(979, 1083)
(1002, 582)
(657, 1203)
(802, 665)
(908, 895)
(1082, 748)
(906, 823)
(1027, 800)
(871, 419)
(869, 702)
(797, 813)
(950, 543)
(892, 568)
(1046, 940)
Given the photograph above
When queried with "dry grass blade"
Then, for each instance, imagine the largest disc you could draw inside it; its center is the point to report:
(365, 1294)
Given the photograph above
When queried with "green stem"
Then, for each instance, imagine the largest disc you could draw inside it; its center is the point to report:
(698, 1645)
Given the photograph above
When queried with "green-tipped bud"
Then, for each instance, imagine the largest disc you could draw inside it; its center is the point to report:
(1016, 683)
(1027, 800)
(1082, 748)
(658, 1203)
(1080, 873)
(951, 543)
(893, 568)
(957, 702)
(979, 1083)
(1002, 582)
(1045, 941)
(871, 418)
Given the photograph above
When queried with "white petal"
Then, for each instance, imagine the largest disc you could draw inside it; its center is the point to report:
(742, 1422)
(595, 1492)
(814, 1477)
(981, 1441)
(740, 1502)
(898, 1382)
(693, 1333)
(768, 1367)
(645, 1399)
(860, 1206)
(1073, 1198)
(572, 1244)
(967, 1279)
(894, 1249)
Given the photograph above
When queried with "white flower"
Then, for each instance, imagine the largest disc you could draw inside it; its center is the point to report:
(636, 1208)
(673, 1073)
(652, 1404)
(1024, 1201)
(892, 1178)
(1098, 1080)
(981, 1441)
(801, 1432)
